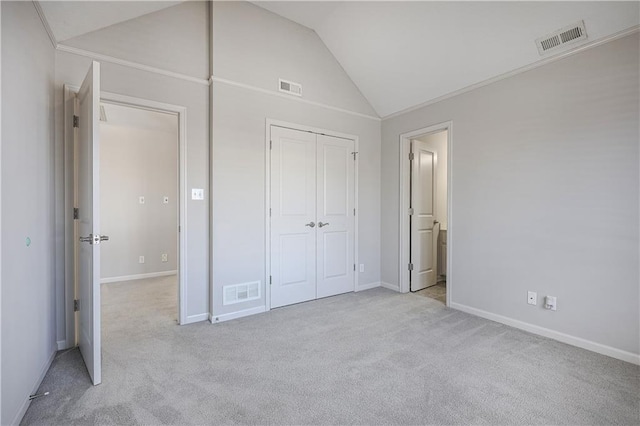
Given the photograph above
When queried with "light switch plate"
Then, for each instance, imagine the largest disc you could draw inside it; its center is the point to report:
(165, 200)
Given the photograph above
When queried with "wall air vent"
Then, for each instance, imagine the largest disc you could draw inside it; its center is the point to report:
(290, 87)
(565, 36)
(238, 293)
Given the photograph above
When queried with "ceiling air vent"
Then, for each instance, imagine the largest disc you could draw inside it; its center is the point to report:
(290, 87)
(564, 36)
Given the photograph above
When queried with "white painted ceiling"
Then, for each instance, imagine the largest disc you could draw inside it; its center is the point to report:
(402, 54)
(68, 19)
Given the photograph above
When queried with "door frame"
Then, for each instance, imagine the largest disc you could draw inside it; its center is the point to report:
(70, 153)
(267, 191)
(405, 198)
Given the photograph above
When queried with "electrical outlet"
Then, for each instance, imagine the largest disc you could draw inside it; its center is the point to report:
(197, 194)
(141, 199)
(362, 267)
(141, 259)
(532, 298)
(550, 302)
(164, 257)
(165, 200)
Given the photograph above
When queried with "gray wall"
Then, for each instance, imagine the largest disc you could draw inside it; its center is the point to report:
(137, 161)
(71, 68)
(255, 47)
(545, 194)
(28, 317)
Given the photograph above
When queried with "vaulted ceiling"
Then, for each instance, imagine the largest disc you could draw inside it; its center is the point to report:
(401, 53)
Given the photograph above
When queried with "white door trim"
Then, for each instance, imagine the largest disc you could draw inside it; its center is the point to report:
(267, 190)
(70, 92)
(405, 196)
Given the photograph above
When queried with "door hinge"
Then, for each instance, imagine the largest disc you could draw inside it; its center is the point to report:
(269, 211)
(354, 212)
(270, 280)
(410, 211)
(76, 213)
(76, 121)
(76, 305)
(270, 144)
(354, 155)
(411, 156)
(411, 266)
(354, 267)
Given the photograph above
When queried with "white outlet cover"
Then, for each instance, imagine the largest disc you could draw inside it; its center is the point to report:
(165, 200)
(362, 267)
(141, 199)
(141, 259)
(197, 194)
(164, 257)
(532, 298)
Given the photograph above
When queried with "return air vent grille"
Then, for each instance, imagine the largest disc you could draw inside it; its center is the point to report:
(568, 35)
(238, 293)
(290, 87)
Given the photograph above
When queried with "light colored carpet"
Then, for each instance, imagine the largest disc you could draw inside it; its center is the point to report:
(375, 357)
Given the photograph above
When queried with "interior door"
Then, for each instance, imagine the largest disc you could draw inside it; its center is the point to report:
(89, 222)
(424, 228)
(293, 216)
(335, 215)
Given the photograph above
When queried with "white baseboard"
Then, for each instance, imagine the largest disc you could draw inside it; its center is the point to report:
(552, 334)
(238, 314)
(137, 277)
(368, 286)
(393, 287)
(196, 318)
(23, 408)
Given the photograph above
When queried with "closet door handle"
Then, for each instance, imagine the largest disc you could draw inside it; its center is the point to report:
(320, 224)
(310, 224)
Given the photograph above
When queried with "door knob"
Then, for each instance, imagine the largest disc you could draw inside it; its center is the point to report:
(310, 224)
(320, 224)
(94, 239)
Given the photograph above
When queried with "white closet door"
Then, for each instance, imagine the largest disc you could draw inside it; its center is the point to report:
(335, 215)
(293, 216)
(424, 227)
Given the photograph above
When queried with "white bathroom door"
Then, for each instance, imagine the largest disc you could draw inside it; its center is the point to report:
(293, 216)
(335, 215)
(89, 222)
(424, 228)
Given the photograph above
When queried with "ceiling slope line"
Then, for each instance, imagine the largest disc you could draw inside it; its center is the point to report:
(291, 98)
(45, 23)
(545, 61)
(130, 64)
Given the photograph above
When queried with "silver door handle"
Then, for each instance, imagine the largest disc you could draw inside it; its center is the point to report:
(320, 224)
(94, 239)
(310, 224)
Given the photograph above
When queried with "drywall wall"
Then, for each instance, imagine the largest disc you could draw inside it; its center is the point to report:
(239, 146)
(544, 192)
(28, 316)
(174, 39)
(438, 142)
(71, 69)
(138, 158)
(255, 47)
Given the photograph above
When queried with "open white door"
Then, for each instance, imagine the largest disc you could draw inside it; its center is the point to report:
(424, 228)
(89, 222)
